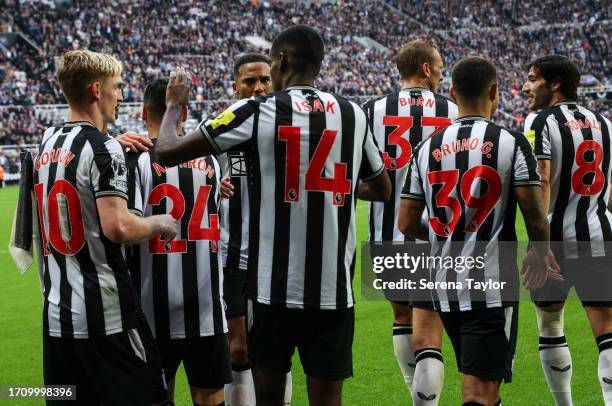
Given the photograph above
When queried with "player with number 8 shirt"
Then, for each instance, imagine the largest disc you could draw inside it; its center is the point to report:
(573, 148)
(306, 153)
(399, 122)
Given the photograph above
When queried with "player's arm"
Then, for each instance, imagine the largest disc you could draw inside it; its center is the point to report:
(409, 221)
(539, 263)
(171, 148)
(375, 190)
(544, 170)
(121, 226)
(374, 184)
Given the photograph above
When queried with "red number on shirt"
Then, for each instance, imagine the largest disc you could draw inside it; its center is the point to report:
(195, 231)
(585, 167)
(403, 125)
(70, 204)
(439, 122)
(483, 204)
(338, 185)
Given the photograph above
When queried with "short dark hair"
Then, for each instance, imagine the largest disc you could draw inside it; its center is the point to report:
(412, 55)
(472, 76)
(249, 58)
(559, 68)
(305, 45)
(155, 98)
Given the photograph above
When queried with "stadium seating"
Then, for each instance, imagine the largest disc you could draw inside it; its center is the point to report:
(208, 35)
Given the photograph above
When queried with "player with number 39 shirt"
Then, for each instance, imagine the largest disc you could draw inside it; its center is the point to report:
(573, 148)
(470, 176)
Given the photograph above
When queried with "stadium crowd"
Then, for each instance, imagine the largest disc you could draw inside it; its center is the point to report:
(207, 42)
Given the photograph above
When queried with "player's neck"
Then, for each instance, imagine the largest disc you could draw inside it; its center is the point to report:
(152, 130)
(298, 80)
(415, 82)
(480, 109)
(90, 115)
(558, 98)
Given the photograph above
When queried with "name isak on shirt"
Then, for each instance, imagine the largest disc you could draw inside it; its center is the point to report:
(315, 105)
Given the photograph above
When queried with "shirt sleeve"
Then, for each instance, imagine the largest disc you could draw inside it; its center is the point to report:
(135, 201)
(537, 132)
(413, 185)
(108, 172)
(525, 164)
(233, 128)
(372, 164)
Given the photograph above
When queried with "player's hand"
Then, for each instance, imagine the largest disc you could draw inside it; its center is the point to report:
(168, 227)
(178, 88)
(537, 269)
(134, 142)
(227, 189)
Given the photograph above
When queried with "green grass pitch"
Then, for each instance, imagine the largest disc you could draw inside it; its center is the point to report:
(377, 379)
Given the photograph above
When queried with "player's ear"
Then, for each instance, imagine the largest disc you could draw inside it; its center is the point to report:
(235, 89)
(493, 91)
(452, 93)
(555, 86)
(95, 90)
(426, 69)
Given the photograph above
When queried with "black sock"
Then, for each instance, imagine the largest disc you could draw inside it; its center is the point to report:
(240, 367)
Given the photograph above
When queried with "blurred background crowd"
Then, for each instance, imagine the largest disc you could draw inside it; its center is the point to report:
(206, 36)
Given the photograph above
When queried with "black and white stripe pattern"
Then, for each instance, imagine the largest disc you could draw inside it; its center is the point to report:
(302, 228)
(414, 103)
(181, 284)
(234, 244)
(86, 282)
(570, 136)
(497, 159)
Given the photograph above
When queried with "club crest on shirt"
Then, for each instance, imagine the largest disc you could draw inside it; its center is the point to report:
(530, 134)
(224, 118)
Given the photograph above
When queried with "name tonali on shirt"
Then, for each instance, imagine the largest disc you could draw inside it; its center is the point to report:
(577, 142)
(399, 122)
(86, 282)
(305, 151)
(181, 283)
(465, 174)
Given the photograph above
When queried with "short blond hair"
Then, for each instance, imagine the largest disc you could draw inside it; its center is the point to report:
(78, 69)
(412, 55)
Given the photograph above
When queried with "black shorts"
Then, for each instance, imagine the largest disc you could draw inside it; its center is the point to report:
(118, 369)
(591, 277)
(418, 297)
(234, 292)
(206, 360)
(484, 341)
(324, 340)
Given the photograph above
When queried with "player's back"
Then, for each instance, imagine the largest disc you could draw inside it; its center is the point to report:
(466, 175)
(85, 279)
(180, 283)
(304, 157)
(399, 122)
(577, 142)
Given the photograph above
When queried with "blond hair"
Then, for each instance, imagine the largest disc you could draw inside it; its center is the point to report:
(412, 55)
(78, 69)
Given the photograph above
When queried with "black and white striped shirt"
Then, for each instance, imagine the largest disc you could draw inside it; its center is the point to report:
(180, 284)
(466, 175)
(305, 151)
(577, 142)
(399, 122)
(86, 282)
(234, 243)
